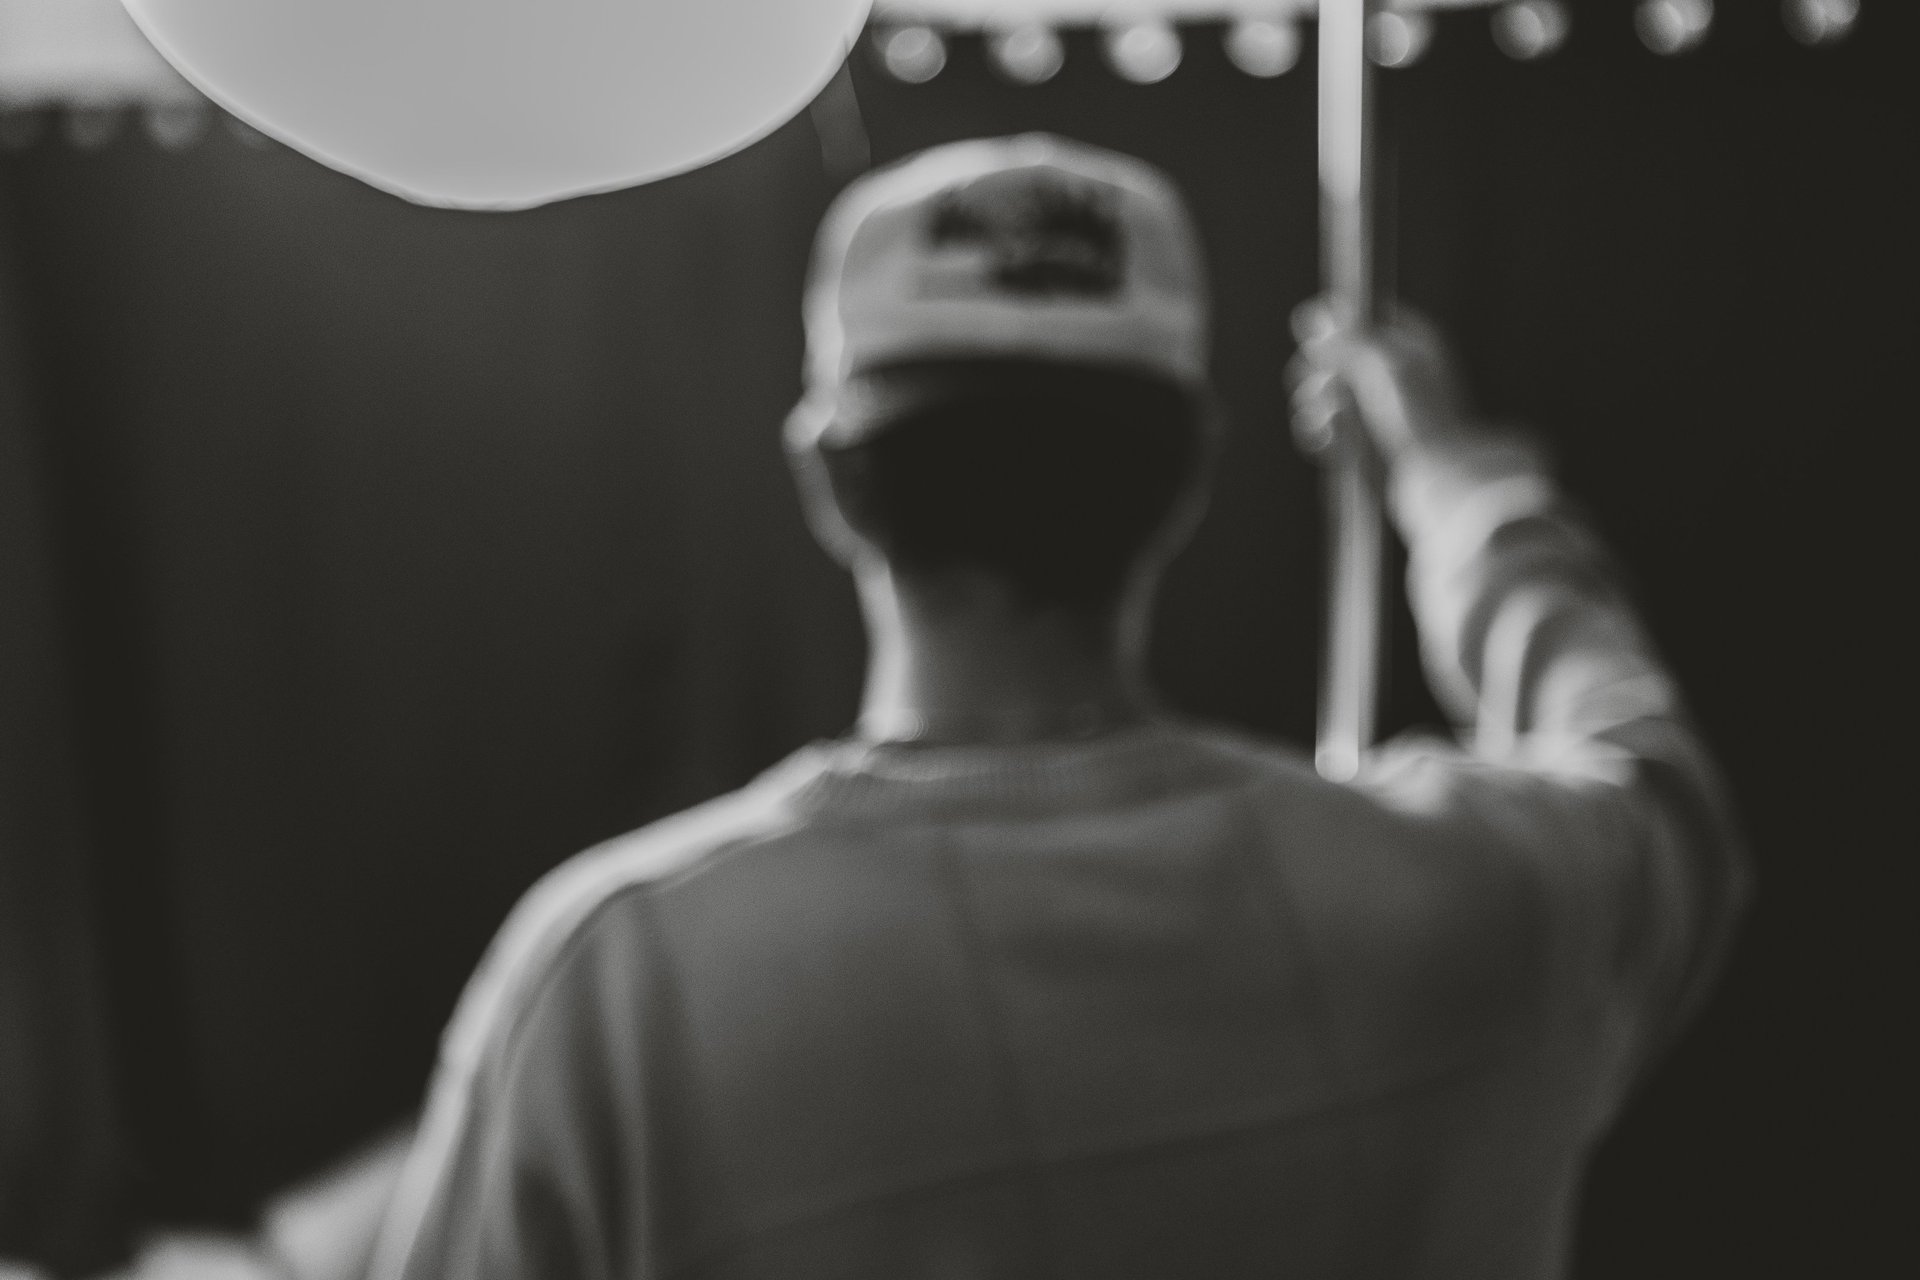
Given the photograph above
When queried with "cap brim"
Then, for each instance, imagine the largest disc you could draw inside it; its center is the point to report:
(875, 400)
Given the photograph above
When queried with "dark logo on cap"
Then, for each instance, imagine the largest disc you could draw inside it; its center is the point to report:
(1039, 237)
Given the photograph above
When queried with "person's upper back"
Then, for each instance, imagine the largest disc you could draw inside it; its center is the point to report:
(1164, 1003)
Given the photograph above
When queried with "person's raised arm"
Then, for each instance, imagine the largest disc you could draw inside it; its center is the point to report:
(1568, 714)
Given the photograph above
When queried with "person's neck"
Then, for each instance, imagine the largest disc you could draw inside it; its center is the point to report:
(964, 663)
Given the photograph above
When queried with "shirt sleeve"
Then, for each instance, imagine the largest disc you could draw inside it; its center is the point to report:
(509, 1177)
(1577, 748)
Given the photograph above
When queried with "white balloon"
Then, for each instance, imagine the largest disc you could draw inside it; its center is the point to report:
(502, 104)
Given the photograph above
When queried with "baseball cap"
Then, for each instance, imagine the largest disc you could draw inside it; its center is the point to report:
(1031, 250)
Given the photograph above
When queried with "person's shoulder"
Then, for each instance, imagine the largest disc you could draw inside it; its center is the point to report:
(601, 891)
(1423, 921)
(1279, 779)
(1396, 818)
(1417, 788)
(659, 853)
(1238, 755)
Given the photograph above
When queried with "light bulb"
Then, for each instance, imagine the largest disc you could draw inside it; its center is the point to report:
(90, 128)
(1531, 29)
(912, 55)
(1817, 22)
(1028, 55)
(1144, 52)
(1669, 27)
(1398, 39)
(1264, 47)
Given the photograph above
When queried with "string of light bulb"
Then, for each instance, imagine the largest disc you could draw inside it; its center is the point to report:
(1262, 38)
(81, 69)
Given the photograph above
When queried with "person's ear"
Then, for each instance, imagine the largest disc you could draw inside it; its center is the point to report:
(817, 501)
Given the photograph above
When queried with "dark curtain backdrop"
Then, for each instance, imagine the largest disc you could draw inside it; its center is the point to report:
(61, 1154)
(362, 561)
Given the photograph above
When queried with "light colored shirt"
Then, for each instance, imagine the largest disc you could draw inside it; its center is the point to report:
(1161, 1004)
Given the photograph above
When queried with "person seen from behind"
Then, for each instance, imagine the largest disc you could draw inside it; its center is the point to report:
(1027, 976)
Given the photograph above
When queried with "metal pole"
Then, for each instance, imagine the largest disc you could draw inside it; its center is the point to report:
(1356, 535)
